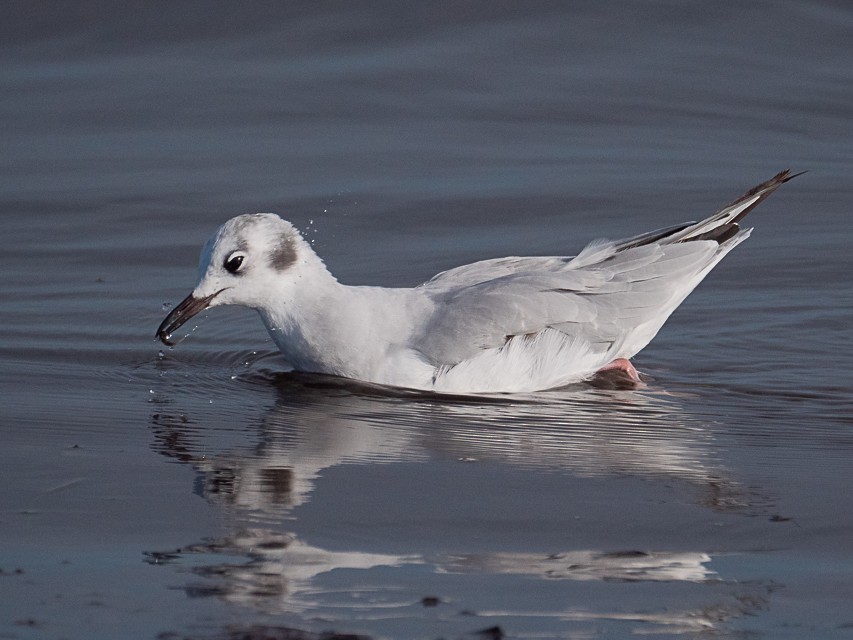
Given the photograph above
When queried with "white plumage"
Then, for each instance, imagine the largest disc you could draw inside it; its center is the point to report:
(506, 325)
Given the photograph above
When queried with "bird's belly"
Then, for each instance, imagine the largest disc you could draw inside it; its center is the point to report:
(525, 363)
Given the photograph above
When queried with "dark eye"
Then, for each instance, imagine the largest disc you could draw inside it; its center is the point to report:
(233, 262)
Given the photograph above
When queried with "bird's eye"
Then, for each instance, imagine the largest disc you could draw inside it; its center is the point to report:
(233, 262)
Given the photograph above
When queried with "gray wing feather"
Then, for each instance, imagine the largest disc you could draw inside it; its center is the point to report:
(613, 295)
(600, 302)
(471, 274)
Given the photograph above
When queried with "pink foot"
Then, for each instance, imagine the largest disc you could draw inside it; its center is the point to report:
(624, 365)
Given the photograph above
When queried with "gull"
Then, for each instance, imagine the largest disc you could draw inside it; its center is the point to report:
(506, 325)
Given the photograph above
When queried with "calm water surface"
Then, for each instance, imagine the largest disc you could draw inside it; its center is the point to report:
(205, 492)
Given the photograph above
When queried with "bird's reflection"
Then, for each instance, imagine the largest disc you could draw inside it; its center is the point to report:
(259, 474)
(318, 423)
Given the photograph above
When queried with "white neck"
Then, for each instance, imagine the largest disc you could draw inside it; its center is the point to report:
(327, 327)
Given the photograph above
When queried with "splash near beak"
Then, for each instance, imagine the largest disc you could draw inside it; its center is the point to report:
(187, 308)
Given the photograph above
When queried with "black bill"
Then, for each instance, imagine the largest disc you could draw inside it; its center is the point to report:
(187, 308)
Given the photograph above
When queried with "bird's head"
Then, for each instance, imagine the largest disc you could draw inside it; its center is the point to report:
(240, 264)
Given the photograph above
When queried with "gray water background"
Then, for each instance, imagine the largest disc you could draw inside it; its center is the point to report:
(204, 492)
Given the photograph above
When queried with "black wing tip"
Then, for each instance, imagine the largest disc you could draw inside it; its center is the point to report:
(763, 190)
(787, 175)
(784, 176)
(723, 232)
(780, 178)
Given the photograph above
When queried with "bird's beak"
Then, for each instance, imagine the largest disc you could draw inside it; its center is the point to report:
(187, 308)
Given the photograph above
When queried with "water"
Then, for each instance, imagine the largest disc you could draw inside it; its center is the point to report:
(204, 492)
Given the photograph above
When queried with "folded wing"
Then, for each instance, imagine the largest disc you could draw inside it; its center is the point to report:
(612, 298)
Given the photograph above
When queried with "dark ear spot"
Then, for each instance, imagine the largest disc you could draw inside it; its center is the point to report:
(284, 253)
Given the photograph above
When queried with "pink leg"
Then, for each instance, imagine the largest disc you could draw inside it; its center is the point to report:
(624, 365)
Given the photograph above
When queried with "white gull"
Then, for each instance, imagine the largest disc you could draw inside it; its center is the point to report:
(515, 324)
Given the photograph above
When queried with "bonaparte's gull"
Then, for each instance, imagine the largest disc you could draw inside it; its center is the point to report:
(497, 326)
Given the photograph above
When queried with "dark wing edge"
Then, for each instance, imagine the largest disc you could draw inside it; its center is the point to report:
(719, 227)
